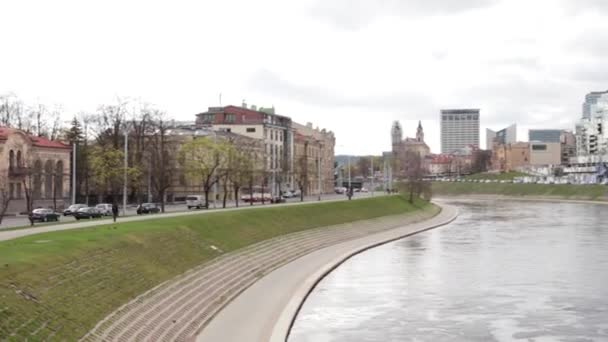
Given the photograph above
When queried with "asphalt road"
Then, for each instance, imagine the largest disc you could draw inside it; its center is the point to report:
(22, 221)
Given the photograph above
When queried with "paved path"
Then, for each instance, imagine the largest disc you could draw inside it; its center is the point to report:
(178, 309)
(13, 234)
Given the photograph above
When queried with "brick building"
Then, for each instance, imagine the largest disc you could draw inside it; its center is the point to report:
(36, 165)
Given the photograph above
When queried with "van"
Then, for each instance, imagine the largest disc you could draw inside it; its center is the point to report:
(195, 201)
(104, 208)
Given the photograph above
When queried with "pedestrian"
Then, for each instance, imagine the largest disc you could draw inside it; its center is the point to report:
(114, 211)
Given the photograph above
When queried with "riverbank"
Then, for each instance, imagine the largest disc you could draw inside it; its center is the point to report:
(532, 191)
(260, 317)
(58, 285)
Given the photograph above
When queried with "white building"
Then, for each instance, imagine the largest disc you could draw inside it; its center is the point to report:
(592, 131)
(503, 137)
(459, 129)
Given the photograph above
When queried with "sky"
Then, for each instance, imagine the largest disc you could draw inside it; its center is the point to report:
(350, 66)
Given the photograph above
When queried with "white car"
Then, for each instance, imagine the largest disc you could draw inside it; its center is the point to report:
(195, 201)
(104, 208)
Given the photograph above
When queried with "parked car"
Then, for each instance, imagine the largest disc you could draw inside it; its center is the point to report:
(289, 194)
(104, 208)
(43, 215)
(147, 208)
(87, 213)
(196, 201)
(340, 190)
(297, 193)
(364, 190)
(73, 208)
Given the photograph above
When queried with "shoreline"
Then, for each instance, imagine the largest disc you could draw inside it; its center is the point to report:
(444, 197)
(264, 317)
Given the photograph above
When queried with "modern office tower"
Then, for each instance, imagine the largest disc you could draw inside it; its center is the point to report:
(459, 129)
(504, 136)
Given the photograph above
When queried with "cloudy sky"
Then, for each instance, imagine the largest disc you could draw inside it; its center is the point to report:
(352, 66)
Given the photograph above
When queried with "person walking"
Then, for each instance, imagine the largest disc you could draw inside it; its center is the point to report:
(114, 211)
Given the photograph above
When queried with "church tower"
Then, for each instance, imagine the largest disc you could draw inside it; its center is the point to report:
(396, 135)
(420, 133)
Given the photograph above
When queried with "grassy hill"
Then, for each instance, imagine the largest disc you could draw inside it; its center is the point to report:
(566, 191)
(59, 285)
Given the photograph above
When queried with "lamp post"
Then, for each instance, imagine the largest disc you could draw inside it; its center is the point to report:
(74, 173)
(124, 189)
(372, 158)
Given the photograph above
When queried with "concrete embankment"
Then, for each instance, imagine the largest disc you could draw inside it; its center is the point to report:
(266, 310)
(519, 198)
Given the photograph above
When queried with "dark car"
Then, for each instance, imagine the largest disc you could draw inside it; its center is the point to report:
(43, 215)
(87, 213)
(73, 208)
(147, 208)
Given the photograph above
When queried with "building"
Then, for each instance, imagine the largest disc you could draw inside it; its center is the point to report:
(274, 130)
(510, 157)
(591, 100)
(36, 166)
(568, 145)
(545, 153)
(277, 134)
(403, 147)
(591, 135)
(504, 136)
(545, 135)
(314, 158)
(459, 128)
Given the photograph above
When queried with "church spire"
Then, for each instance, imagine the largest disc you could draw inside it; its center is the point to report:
(420, 132)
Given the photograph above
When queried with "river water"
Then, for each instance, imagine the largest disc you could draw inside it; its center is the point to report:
(503, 271)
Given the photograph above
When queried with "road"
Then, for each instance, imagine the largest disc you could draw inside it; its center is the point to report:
(171, 211)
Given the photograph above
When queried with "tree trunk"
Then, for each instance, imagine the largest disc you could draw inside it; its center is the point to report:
(225, 193)
(161, 193)
(236, 195)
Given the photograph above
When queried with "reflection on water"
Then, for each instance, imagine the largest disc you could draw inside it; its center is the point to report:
(503, 271)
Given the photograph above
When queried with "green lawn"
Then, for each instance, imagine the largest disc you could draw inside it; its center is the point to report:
(59, 285)
(497, 176)
(567, 191)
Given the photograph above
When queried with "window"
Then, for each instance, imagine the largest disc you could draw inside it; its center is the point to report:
(539, 147)
(18, 196)
(230, 118)
(250, 129)
(208, 118)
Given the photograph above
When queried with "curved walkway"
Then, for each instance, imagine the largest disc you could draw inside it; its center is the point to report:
(266, 310)
(178, 309)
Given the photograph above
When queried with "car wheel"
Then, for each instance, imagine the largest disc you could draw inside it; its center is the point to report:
(44, 219)
(78, 219)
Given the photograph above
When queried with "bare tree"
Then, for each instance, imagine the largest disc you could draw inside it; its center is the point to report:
(5, 195)
(415, 186)
(161, 153)
(301, 171)
(201, 160)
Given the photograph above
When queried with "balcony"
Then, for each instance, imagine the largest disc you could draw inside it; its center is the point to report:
(17, 171)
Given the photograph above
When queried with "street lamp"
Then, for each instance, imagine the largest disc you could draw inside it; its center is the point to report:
(126, 165)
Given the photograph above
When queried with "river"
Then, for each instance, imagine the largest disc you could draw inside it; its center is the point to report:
(503, 271)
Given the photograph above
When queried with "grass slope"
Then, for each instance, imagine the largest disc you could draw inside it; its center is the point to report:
(567, 191)
(59, 285)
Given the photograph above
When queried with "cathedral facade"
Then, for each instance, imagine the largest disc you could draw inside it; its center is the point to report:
(404, 147)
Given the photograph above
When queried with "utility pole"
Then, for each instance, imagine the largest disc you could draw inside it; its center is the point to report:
(372, 176)
(349, 182)
(215, 181)
(124, 189)
(319, 176)
(74, 173)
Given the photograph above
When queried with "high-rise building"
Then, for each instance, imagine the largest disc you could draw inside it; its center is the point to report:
(504, 136)
(459, 129)
(591, 101)
(591, 132)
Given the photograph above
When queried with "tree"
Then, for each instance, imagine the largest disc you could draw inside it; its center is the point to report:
(301, 171)
(161, 156)
(108, 169)
(415, 186)
(364, 166)
(5, 195)
(201, 160)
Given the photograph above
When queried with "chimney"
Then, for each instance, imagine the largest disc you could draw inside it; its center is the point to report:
(244, 105)
(254, 107)
(309, 125)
